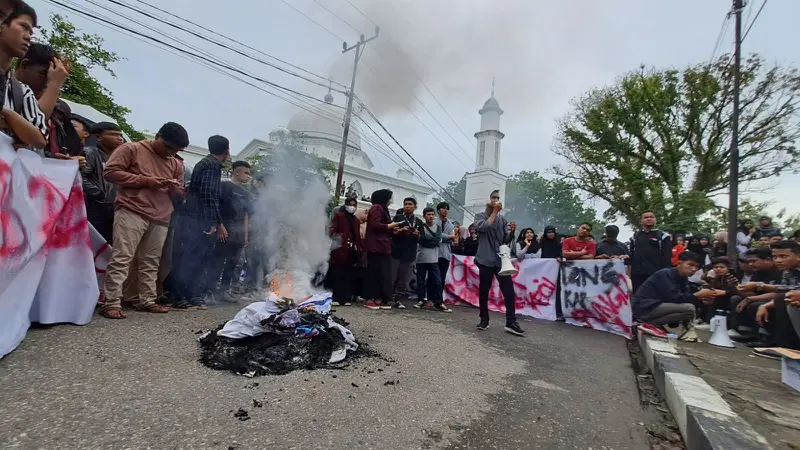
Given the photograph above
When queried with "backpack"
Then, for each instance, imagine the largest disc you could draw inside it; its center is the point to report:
(17, 95)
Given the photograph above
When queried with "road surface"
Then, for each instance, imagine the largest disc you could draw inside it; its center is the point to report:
(137, 384)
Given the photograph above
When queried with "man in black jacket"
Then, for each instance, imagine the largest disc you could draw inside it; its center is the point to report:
(650, 251)
(404, 250)
(99, 193)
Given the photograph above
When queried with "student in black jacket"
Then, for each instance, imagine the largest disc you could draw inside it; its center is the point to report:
(665, 297)
(404, 250)
(99, 194)
(650, 251)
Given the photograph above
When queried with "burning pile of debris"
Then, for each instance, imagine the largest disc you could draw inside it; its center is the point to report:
(277, 336)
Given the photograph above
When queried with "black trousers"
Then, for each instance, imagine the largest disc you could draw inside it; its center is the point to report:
(486, 275)
(444, 266)
(785, 334)
(341, 280)
(197, 251)
(638, 280)
(378, 281)
(226, 255)
(102, 219)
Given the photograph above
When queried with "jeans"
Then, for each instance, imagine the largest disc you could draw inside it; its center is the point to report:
(433, 285)
(486, 275)
(227, 255)
(197, 251)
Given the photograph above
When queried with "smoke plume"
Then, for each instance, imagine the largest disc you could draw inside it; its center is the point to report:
(291, 225)
(457, 47)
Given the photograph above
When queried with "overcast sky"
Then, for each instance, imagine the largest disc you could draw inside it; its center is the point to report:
(542, 53)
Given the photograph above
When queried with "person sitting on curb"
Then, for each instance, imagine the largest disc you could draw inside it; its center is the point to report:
(665, 298)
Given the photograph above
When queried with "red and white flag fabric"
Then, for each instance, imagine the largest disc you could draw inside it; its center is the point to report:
(47, 248)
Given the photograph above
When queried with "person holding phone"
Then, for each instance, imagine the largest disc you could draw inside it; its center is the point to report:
(378, 287)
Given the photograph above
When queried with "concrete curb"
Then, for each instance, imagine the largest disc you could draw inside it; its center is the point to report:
(706, 420)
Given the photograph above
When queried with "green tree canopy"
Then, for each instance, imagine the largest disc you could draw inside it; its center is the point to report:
(455, 190)
(659, 139)
(535, 201)
(87, 52)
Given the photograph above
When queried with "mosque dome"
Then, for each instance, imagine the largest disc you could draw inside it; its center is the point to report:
(326, 122)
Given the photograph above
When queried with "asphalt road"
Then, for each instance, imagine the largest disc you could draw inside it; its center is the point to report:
(136, 384)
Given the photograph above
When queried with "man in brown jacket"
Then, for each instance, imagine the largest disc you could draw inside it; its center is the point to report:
(148, 176)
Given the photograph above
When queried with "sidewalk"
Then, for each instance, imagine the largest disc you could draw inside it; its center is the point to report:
(724, 398)
(752, 387)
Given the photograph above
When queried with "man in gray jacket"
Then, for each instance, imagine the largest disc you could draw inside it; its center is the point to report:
(491, 226)
(99, 193)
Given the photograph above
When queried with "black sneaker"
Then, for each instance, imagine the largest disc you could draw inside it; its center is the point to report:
(514, 329)
(483, 325)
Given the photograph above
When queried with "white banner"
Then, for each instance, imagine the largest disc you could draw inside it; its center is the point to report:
(535, 286)
(47, 254)
(595, 294)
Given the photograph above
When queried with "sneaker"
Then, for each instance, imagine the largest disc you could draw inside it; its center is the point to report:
(442, 308)
(335, 304)
(514, 329)
(420, 304)
(347, 304)
(767, 353)
(399, 305)
(653, 330)
(762, 342)
(372, 305)
(483, 325)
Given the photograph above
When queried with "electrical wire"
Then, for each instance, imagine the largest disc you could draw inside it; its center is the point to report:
(337, 16)
(720, 37)
(217, 43)
(173, 15)
(312, 20)
(758, 13)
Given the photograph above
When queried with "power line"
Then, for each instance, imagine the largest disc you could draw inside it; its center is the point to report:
(312, 20)
(231, 68)
(235, 41)
(337, 16)
(359, 11)
(205, 38)
(721, 36)
(758, 13)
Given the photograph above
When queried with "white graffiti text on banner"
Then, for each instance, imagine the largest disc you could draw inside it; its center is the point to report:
(534, 286)
(595, 294)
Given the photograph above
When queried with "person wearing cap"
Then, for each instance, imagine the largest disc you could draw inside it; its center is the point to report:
(201, 227)
(148, 177)
(99, 193)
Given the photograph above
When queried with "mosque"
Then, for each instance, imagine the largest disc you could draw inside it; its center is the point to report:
(321, 135)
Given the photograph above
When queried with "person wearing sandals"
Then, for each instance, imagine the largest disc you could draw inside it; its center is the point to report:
(148, 177)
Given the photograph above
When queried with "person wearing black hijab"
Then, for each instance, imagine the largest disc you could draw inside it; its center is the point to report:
(347, 254)
(378, 289)
(550, 245)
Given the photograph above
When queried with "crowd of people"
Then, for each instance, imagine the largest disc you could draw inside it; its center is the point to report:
(178, 237)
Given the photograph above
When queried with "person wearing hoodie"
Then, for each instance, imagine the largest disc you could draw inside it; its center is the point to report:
(378, 287)
(765, 228)
(610, 247)
(347, 254)
(491, 226)
(148, 177)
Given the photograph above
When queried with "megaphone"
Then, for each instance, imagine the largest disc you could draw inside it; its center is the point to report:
(506, 268)
(719, 330)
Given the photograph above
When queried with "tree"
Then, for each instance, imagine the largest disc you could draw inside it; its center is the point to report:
(87, 52)
(454, 193)
(718, 219)
(535, 201)
(287, 158)
(659, 139)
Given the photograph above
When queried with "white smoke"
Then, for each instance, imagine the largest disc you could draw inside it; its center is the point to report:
(291, 226)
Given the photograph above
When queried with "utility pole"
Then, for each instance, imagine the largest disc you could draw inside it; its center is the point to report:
(733, 193)
(359, 50)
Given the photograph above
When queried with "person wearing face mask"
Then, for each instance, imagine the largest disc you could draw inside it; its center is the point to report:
(347, 253)
(148, 177)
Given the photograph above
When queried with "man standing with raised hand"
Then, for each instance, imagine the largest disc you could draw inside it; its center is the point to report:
(491, 227)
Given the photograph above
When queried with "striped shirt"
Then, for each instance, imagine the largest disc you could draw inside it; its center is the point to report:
(30, 110)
